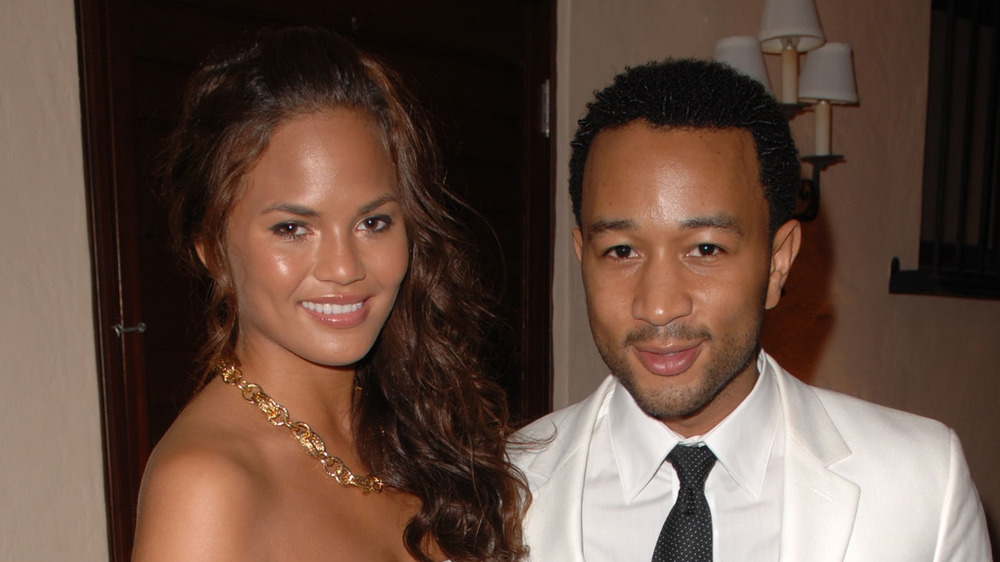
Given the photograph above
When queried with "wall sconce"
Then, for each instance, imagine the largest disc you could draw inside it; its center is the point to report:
(743, 54)
(790, 27)
(828, 77)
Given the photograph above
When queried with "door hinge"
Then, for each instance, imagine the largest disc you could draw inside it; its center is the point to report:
(121, 330)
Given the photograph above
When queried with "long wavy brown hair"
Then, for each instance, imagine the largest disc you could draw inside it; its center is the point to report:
(429, 421)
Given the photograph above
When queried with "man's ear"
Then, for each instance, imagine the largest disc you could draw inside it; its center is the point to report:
(578, 242)
(784, 248)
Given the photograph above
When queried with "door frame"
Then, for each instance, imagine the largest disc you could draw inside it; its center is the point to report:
(103, 110)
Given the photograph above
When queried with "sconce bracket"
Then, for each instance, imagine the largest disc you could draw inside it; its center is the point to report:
(809, 189)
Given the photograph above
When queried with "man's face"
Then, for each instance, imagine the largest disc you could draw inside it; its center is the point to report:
(678, 266)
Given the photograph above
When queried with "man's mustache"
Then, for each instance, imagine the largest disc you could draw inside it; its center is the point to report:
(678, 331)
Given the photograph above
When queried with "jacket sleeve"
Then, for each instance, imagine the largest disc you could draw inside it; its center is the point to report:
(962, 535)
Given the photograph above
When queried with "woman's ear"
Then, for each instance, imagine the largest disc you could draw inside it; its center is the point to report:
(199, 249)
(784, 248)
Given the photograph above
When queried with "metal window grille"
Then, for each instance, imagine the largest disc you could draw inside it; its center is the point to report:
(960, 234)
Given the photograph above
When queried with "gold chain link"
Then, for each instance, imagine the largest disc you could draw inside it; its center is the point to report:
(311, 442)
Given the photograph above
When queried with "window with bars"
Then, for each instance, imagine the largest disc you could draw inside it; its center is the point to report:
(960, 235)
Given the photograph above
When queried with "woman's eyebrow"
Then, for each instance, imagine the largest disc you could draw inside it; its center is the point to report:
(304, 211)
(292, 209)
(369, 207)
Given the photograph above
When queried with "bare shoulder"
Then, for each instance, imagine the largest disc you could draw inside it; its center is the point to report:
(200, 494)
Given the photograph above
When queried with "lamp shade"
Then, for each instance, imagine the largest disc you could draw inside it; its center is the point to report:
(743, 54)
(795, 20)
(828, 74)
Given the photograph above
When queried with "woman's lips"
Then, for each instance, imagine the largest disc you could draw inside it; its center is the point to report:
(329, 308)
(338, 315)
(669, 363)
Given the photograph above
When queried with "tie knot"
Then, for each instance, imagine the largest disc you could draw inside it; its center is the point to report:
(692, 463)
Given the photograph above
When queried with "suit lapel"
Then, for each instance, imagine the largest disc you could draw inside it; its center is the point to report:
(819, 505)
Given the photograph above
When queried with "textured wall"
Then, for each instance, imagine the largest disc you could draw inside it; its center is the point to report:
(838, 326)
(51, 479)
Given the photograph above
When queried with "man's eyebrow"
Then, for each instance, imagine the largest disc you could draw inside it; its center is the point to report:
(720, 222)
(600, 226)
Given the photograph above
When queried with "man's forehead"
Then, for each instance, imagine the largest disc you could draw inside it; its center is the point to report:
(688, 175)
(641, 145)
(722, 221)
(644, 125)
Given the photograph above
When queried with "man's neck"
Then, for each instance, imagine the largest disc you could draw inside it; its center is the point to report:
(722, 404)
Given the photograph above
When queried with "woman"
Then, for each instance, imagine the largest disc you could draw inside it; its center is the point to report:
(305, 183)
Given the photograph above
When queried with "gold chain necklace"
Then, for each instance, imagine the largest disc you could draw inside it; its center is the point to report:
(310, 440)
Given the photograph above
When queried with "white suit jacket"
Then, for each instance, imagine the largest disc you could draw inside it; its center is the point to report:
(862, 482)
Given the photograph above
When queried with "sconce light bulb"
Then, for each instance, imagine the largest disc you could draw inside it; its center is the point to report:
(789, 74)
(823, 121)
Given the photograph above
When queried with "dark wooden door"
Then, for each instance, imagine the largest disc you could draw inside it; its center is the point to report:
(481, 67)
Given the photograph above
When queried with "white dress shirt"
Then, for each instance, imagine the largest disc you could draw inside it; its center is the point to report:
(631, 487)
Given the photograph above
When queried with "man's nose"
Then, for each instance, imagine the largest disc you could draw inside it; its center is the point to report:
(662, 292)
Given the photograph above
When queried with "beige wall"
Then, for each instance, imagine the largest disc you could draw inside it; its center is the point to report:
(837, 327)
(929, 355)
(51, 479)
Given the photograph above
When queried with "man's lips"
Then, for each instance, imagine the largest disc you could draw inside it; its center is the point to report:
(668, 361)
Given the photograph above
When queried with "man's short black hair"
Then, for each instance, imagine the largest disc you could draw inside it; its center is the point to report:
(696, 94)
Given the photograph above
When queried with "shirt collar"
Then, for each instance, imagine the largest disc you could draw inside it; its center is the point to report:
(742, 441)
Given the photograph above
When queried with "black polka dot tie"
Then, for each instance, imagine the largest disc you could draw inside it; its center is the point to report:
(686, 535)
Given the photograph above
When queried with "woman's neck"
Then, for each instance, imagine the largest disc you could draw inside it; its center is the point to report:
(319, 395)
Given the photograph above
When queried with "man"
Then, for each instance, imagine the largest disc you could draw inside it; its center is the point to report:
(683, 177)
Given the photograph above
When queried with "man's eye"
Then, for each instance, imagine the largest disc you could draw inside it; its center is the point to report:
(620, 252)
(707, 250)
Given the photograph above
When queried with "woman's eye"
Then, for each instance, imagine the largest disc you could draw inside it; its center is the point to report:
(376, 223)
(706, 250)
(289, 229)
(620, 252)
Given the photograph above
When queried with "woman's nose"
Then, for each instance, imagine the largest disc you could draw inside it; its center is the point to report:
(339, 261)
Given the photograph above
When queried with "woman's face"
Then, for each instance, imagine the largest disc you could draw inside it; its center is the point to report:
(316, 242)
